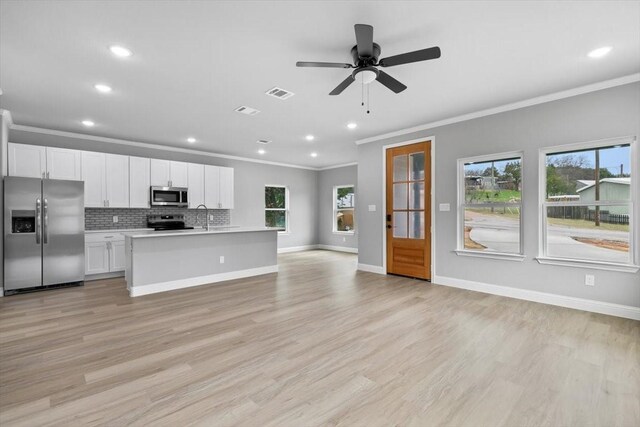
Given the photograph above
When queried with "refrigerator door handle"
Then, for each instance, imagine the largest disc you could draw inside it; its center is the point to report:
(38, 219)
(45, 229)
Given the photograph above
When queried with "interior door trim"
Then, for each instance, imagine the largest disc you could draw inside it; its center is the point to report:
(383, 223)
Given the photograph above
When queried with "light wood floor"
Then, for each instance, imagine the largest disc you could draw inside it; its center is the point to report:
(316, 344)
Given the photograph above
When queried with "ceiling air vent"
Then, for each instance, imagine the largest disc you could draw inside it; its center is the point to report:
(263, 141)
(247, 110)
(279, 93)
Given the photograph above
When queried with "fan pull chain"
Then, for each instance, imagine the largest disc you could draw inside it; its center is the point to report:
(368, 99)
(362, 96)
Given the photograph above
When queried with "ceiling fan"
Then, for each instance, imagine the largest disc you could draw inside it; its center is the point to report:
(365, 60)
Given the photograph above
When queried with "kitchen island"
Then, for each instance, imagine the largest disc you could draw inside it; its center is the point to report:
(159, 261)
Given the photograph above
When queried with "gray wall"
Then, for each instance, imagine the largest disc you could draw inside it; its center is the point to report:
(597, 115)
(4, 135)
(327, 179)
(249, 181)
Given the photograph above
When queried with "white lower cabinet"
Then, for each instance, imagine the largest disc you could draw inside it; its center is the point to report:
(96, 258)
(103, 253)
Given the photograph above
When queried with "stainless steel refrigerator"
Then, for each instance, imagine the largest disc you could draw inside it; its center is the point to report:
(43, 233)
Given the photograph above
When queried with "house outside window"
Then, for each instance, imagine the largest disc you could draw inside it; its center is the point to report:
(344, 205)
(490, 206)
(276, 207)
(587, 199)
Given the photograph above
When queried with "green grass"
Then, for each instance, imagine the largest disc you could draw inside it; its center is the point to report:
(582, 223)
(488, 196)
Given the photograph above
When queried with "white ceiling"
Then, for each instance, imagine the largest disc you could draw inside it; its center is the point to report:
(195, 62)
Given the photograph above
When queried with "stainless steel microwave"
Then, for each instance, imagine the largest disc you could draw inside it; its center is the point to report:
(169, 196)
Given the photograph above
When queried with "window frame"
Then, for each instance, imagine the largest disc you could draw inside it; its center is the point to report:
(543, 258)
(335, 210)
(461, 204)
(287, 230)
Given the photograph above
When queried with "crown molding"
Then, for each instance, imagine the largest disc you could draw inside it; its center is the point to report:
(344, 165)
(632, 78)
(128, 143)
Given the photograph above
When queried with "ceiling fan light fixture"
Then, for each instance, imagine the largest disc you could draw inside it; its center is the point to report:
(366, 75)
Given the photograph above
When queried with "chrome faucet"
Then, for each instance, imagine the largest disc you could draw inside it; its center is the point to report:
(206, 216)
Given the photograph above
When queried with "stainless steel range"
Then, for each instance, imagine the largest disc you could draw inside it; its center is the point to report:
(167, 222)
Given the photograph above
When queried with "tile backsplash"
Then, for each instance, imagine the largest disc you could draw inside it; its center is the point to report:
(102, 219)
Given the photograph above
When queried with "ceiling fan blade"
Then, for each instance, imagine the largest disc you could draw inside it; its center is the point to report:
(342, 86)
(364, 40)
(409, 57)
(390, 82)
(323, 64)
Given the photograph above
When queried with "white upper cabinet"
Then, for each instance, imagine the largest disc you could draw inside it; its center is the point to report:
(179, 174)
(160, 173)
(218, 187)
(139, 182)
(27, 160)
(63, 163)
(167, 173)
(226, 188)
(212, 186)
(93, 175)
(117, 180)
(196, 184)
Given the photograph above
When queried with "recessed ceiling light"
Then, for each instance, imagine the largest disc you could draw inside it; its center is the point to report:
(120, 51)
(314, 154)
(352, 125)
(600, 52)
(88, 123)
(261, 151)
(191, 140)
(309, 137)
(102, 88)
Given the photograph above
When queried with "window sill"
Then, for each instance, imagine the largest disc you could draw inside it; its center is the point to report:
(610, 266)
(345, 233)
(491, 255)
(284, 233)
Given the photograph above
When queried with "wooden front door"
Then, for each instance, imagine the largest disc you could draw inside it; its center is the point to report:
(408, 210)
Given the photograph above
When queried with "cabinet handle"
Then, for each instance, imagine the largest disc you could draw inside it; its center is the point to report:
(107, 203)
(47, 174)
(44, 175)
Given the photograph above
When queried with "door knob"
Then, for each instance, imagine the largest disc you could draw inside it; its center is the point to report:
(389, 226)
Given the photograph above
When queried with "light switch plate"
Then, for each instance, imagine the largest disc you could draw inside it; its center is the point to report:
(115, 218)
(444, 207)
(221, 259)
(372, 208)
(210, 217)
(589, 280)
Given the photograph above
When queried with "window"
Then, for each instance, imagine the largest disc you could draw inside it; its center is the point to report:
(276, 207)
(490, 204)
(344, 204)
(587, 201)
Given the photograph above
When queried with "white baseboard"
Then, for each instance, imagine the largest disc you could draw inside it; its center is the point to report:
(100, 276)
(297, 249)
(371, 268)
(338, 248)
(136, 291)
(601, 307)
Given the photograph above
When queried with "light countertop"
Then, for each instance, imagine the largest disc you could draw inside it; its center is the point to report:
(117, 230)
(197, 231)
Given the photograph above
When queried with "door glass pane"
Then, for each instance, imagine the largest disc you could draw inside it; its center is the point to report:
(400, 224)
(400, 196)
(416, 166)
(416, 195)
(598, 233)
(400, 168)
(416, 225)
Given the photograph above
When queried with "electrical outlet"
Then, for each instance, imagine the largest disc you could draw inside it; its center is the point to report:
(372, 208)
(221, 259)
(589, 280)
(115, 218)
(344, 239)
(210, 217)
